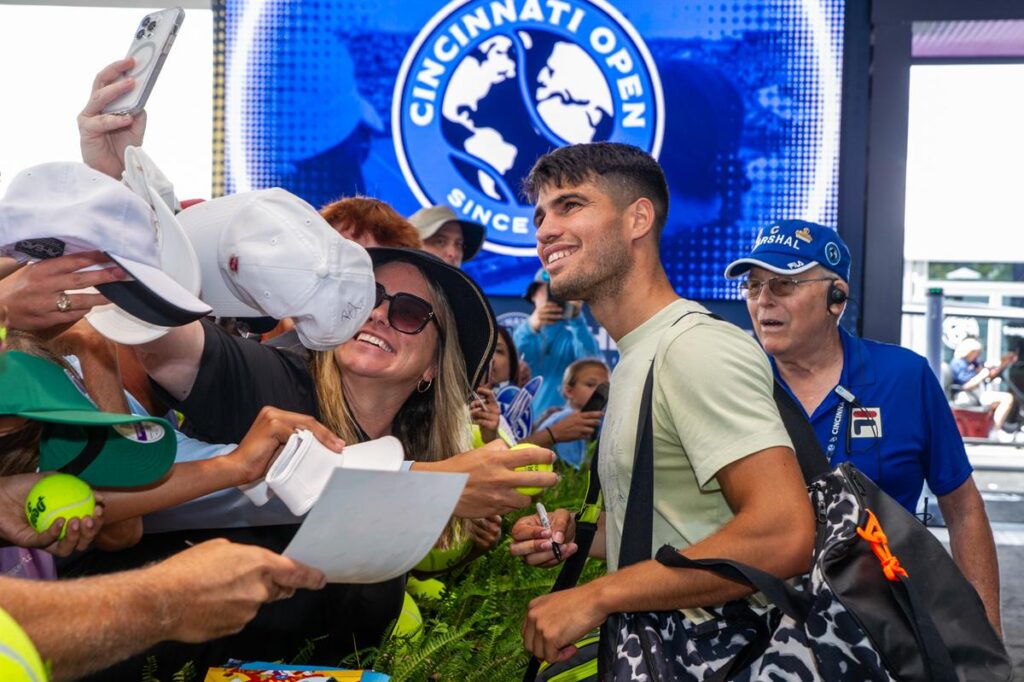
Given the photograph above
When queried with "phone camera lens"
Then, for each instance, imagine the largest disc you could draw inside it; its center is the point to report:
(152, 25)
(138, 36)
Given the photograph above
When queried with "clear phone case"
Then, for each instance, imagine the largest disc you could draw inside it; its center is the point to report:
(152, 41)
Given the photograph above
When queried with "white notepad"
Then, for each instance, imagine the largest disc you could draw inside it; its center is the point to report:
(372, 526)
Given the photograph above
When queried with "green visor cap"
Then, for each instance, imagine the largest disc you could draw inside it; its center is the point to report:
(104, 449)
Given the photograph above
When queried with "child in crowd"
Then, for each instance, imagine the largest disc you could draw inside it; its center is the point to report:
(506, 365)
(569, 428)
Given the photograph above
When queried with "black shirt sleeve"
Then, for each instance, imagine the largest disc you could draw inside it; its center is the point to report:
(237, 378)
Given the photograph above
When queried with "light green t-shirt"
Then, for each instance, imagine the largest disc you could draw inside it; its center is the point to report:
(712, 406)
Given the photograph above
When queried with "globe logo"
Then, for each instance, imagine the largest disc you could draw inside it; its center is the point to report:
(832, 253)
(488, 86)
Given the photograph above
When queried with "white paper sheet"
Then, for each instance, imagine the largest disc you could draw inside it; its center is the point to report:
(372, 526)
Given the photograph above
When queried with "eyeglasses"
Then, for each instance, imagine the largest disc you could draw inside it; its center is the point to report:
(407, 313)
(779, 286)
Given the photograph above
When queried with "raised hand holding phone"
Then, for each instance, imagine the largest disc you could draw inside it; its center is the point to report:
(149, 47)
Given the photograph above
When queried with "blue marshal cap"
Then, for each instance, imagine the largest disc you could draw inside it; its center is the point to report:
(789, 247)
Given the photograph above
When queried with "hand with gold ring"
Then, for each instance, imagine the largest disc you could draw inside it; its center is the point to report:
(36, 295)
(63, 302)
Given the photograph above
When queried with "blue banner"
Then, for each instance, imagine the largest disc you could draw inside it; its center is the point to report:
(420, 103)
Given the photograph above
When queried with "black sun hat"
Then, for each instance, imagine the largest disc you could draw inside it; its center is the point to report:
(476, 328)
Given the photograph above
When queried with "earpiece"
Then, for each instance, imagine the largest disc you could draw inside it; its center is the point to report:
(835, 296)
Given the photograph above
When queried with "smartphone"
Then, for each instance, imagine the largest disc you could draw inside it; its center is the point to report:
(152, 41)
(598, 399)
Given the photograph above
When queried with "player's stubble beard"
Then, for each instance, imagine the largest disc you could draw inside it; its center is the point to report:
(601, 275)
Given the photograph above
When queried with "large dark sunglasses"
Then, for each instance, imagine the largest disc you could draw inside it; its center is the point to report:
(779, 286)
(407, 313)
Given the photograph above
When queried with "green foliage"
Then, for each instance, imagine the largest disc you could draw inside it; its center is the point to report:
(149, 670)
(186, 674)
(305, 654)
(473, 632)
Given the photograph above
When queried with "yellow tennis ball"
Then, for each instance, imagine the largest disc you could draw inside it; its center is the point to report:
(19, 660)
(430, 589)
(530, 492)
(410, 621)
(59, 496)
(440, 560)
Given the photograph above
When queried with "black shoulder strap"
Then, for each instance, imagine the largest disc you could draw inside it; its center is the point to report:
(572, 569)
(586, 528)
(638, 527)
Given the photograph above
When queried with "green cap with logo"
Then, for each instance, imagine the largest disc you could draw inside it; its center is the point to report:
(105, 449)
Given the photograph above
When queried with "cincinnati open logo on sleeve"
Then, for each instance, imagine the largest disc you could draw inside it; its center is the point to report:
(488, 86)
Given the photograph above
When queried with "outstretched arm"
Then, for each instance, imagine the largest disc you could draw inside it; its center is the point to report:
(972, 545)
(493, 478)
(208, 591)
(247, 463)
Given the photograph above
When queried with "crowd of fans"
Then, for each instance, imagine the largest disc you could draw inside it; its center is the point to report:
(352, 322)
(198, 336)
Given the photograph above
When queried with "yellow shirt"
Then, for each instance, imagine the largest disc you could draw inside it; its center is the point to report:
(712, 405)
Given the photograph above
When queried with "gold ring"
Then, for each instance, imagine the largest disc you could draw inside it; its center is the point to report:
(63, 302)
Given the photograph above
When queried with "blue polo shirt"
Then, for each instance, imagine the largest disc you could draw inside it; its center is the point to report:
(901, 432)
(964, 371)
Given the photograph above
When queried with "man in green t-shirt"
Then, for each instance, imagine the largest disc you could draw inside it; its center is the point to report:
(726, 482)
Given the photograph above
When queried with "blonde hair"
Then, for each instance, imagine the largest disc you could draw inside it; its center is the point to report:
(431, 425)
(572, 372)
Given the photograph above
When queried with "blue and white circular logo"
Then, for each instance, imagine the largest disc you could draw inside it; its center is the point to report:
(488, 86)
(832, 253)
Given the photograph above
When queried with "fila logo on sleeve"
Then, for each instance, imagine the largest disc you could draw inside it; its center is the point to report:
(866, 422)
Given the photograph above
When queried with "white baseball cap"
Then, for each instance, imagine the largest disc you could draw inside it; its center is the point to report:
(57, 209)
(269, 253)
(177, 258)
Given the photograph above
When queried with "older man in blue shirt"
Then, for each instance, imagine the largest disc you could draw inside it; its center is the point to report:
(874, 404)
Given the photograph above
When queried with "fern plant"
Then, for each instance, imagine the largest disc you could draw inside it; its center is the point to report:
(149, 670)
(187, 673)
(473, 632)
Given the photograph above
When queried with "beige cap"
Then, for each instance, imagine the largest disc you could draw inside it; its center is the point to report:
(429, 220)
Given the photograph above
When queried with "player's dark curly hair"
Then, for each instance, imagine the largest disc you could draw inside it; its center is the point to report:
(624, 172)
